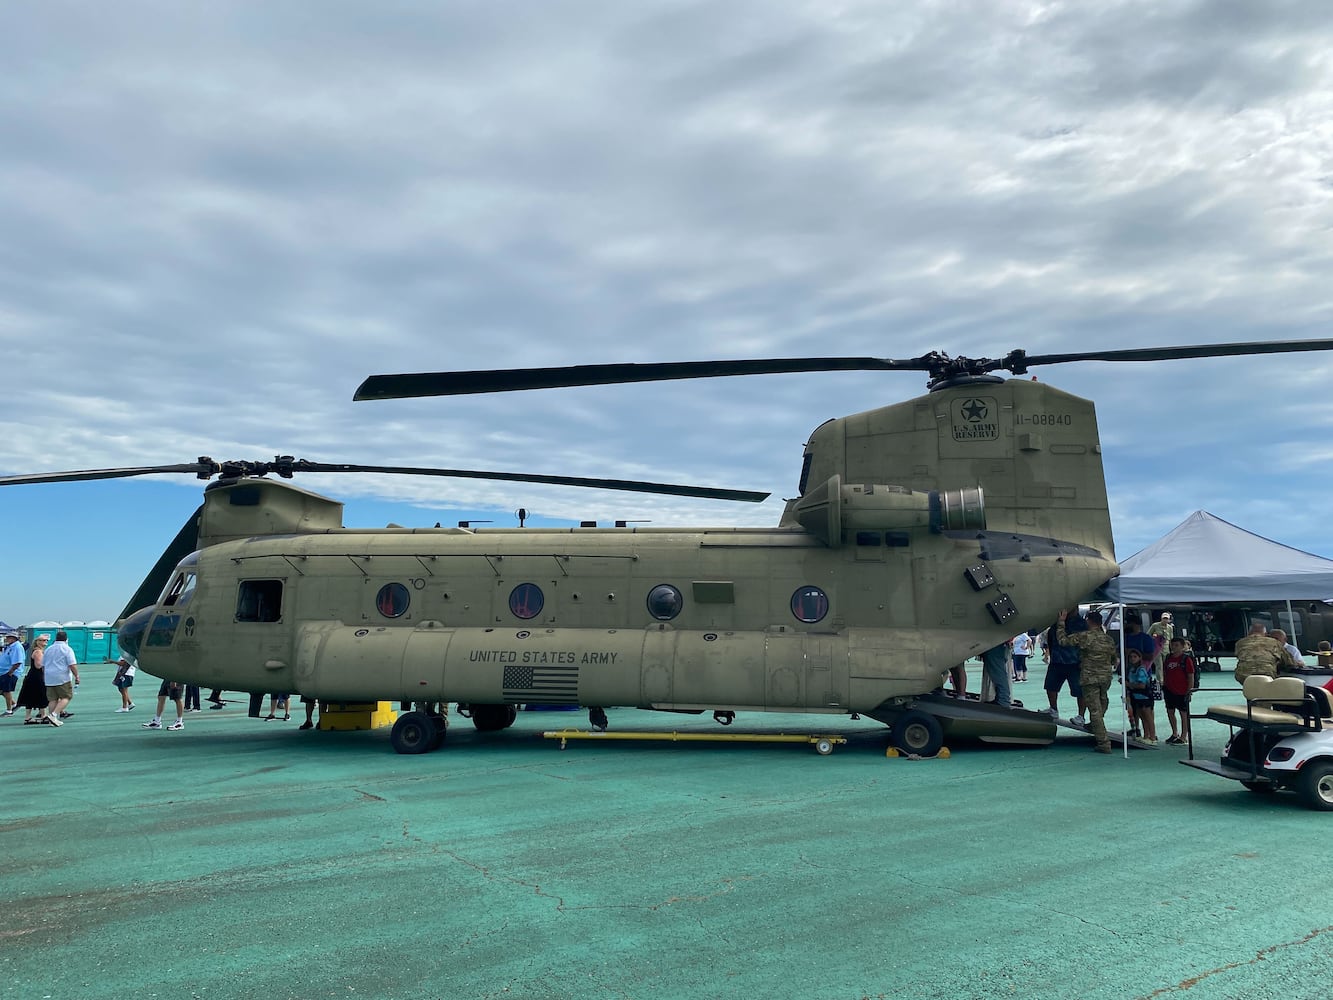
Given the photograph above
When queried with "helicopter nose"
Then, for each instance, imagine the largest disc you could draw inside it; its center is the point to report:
(131, 632)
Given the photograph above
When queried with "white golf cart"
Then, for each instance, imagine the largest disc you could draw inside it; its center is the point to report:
(1282, 737)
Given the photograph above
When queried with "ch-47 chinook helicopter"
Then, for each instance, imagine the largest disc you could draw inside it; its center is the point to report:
(924, 533)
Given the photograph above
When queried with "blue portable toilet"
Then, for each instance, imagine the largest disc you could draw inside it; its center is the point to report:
(77, 633)
(47, 629)
(99, 642)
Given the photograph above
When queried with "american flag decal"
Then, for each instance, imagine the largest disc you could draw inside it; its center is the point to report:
(555, 685)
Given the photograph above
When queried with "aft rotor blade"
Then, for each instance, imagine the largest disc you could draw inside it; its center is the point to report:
(513, 379)
(627, 485)
(194, 468)
(1172, 353)
(185, 542)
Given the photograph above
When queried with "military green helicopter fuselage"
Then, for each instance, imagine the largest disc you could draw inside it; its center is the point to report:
(925, 533)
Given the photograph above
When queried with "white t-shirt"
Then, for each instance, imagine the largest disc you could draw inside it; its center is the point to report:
(55, 665)
(1022, 644)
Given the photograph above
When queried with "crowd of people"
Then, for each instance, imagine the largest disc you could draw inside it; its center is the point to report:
(1084, 659)
(42, 678)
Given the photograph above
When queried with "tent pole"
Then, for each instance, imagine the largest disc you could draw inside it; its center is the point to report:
(1291, 625)
(1124, 687)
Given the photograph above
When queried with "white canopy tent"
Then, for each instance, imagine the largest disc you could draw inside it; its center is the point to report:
(1206, 559)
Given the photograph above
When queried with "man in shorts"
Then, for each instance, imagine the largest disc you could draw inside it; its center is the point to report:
(176, 692)
(11, 669)
(62, 672)
(1062, 667)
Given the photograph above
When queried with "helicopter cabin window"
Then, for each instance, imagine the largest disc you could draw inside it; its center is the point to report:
(867, 538)
(665, 602)
(392, 600)
(526, 601)
(259, 601)
(809, 604)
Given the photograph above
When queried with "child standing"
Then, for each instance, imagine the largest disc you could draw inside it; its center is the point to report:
(1022, 650)
(1140, 678)
(1178, 672)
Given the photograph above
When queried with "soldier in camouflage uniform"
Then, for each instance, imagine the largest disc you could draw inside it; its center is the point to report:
(1099, 660)
(1260, 653)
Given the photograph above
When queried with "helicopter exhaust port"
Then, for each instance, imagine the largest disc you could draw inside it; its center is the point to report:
(837, 510)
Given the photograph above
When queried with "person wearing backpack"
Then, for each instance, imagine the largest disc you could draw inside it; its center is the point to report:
(1178, 673)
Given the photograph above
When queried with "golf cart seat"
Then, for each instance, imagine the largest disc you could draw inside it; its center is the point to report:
(1323, 699)
(1274, 703)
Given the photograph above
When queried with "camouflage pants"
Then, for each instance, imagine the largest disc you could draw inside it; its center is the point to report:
(1096, 694)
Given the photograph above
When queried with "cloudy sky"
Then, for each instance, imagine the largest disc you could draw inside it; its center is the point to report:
(219, 217)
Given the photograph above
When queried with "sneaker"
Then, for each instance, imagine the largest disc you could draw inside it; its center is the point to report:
(1175, 741)
(121, 709)
(1054, 713)
(1150, 742)
(1078, 723)
(152, 724)
(66, 715)
(51, 720)
(215, 705)
(9, 713)
(178, 724)
(131, 708)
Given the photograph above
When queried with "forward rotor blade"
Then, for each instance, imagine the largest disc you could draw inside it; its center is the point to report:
(1172, 353)
(185, 542)
(626, 485)
(194, 468)
(510, 380)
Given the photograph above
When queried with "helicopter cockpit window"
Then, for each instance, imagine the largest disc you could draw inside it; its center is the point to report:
(392, 600)
(181, 588)
(526, 601)
(259, 601)
(665, 602)
(809, 604)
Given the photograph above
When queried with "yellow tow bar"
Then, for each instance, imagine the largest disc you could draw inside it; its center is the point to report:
(822, 744)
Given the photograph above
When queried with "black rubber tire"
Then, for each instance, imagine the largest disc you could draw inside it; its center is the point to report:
(493, 718)
(1262, 787)
(918, 733)
(1315, 785)
(414, 732)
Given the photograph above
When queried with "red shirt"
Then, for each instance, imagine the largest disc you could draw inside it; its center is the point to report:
(1178, 673)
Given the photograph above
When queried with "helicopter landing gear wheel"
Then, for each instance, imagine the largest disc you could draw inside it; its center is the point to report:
(918, 733)
(493, 718)
(414, 732)
(1316, 785)
(824, 746)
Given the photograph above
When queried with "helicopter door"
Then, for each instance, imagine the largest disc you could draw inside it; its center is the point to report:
(825, 670)
(659, 661)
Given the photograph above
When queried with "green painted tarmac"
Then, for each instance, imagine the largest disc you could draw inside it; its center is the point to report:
(242, 858)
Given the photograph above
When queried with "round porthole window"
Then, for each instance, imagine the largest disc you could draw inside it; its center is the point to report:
(392, 600)
(526, 601)
(664, 602)
(809, 604)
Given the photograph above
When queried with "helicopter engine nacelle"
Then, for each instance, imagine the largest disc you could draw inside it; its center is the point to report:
(836, 510)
